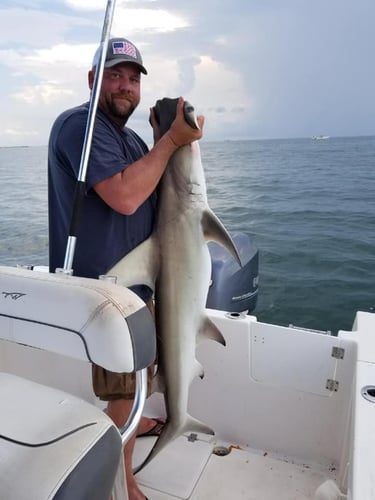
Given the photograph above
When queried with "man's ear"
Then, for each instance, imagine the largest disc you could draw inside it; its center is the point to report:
(90, 78)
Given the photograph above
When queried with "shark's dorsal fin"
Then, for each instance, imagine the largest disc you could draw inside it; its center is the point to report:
(214, 230)
(139, 267)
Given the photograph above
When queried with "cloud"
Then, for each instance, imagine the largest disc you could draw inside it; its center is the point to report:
(129, 20)
(186, 74)
(42, 94)
(19, 133)
(158, 20)
(23, 29)
(255, 69)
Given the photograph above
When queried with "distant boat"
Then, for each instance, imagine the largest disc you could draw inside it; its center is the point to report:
(320, 137)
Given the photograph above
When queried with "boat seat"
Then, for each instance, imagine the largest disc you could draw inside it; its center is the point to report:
(86, 319)
(52, 444)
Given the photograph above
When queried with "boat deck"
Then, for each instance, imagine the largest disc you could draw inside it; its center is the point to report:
(188, 469)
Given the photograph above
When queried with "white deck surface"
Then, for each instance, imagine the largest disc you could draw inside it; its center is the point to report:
(189, 470)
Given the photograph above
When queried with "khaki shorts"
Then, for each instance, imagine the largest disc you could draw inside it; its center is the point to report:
(109, 385)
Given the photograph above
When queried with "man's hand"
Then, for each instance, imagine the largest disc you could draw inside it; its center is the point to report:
(181, 132)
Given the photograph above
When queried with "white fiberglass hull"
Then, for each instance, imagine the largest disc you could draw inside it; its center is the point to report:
(289, 407)
(287, 404)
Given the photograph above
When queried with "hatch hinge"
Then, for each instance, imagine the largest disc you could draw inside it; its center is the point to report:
(332, 385)
(338, 352)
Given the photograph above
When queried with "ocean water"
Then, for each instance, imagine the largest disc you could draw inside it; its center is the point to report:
(308, 205)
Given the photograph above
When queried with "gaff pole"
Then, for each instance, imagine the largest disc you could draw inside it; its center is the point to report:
(86, 148)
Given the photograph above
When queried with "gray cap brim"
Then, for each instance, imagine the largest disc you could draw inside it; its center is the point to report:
(118, 60)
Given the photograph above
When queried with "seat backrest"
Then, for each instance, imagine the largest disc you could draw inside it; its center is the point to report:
(87, 319)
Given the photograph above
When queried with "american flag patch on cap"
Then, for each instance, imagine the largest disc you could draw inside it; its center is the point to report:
(124, 48)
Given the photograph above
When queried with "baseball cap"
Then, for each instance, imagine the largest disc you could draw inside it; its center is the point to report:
(120, 50)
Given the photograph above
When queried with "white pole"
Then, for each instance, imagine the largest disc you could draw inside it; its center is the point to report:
(94, 98)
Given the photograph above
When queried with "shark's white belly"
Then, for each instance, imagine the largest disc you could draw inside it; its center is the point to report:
(182, 286)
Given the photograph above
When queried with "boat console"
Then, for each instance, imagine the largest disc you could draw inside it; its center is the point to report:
(54, 444)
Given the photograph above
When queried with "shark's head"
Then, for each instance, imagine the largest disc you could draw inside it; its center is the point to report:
(165, 113)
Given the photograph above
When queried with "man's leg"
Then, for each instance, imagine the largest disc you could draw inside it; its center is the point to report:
(119, 410)
(117, 388)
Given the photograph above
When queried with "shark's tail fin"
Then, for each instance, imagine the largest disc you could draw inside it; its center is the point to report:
(170, 433)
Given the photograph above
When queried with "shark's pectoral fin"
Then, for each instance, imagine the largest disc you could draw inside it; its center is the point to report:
(214, 230)
(209, 330)
(139, 267)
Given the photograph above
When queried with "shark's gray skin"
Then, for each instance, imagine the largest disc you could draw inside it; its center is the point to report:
(175, 262)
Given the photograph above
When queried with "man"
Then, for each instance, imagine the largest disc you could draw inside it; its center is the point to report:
(120, 200)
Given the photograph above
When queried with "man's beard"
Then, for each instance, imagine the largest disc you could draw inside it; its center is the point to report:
(117, 111)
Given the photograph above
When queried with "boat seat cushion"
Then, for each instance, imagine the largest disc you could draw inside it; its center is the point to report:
(87, 319)
(53, 445)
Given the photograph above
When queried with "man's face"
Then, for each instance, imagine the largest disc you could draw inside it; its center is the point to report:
(120, 92)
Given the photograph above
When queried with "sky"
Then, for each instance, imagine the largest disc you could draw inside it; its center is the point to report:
(255, 69)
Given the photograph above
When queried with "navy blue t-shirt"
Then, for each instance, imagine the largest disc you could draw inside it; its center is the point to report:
(104, 235)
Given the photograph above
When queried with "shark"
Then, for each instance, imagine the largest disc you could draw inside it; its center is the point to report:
(175, 263)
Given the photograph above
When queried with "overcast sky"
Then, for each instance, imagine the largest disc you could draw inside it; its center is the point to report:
(254, 68)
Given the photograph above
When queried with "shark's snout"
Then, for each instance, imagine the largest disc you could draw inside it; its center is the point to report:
(165, 112)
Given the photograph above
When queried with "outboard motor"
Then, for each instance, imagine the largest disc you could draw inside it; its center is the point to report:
(234, 289)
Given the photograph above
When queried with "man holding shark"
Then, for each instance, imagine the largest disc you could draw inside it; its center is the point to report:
(120, 199)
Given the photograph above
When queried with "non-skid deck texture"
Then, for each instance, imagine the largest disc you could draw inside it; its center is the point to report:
(188, 470)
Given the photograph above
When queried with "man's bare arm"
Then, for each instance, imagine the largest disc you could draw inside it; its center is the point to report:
(127, 190)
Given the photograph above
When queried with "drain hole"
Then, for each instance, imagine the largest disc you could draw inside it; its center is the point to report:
(368, 392)
(236, 315)
(221, 451)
